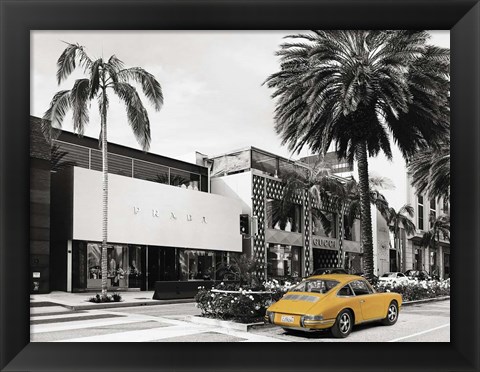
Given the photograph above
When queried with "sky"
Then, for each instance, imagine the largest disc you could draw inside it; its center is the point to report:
(212, 85)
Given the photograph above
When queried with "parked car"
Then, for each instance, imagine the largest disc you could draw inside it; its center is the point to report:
(417, 275)
(375, 278)
(329, 270)
(336, 302)
(393, 278)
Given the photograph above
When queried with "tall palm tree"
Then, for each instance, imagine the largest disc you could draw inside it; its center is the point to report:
(348, 203)
(103, 76)
(354, 89)
(439, 227)
(396, 220)
(430, 170)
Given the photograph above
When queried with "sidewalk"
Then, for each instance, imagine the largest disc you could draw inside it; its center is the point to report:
(77, 301)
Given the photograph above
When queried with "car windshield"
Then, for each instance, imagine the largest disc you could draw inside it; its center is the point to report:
(315, 285)
(389, 275)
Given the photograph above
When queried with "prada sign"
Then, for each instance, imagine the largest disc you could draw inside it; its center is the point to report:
(323, 242)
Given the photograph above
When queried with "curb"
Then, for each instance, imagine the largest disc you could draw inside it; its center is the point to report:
(410, 303)
(112, 305)
(223, 323)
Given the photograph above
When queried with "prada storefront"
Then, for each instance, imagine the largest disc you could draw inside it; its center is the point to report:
(156, 232)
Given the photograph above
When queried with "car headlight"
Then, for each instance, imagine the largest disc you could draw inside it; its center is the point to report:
(309, 317)
(269, 316)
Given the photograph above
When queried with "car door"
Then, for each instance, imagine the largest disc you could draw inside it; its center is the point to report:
(370, 303)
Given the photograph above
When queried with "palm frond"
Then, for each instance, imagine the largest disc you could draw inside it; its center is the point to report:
(72, 55)
(95, 76)
(150, 86)
(79, 98)
(136, 113)
(53, 118)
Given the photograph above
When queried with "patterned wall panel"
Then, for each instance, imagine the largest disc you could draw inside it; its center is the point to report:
(307, 232)
(282, 237)
(274, 189)
(325, 258)
(258, 203)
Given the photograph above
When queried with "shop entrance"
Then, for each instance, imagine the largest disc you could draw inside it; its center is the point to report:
(136, 267)
(161, 265)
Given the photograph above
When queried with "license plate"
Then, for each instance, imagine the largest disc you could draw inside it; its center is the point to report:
(287, 319)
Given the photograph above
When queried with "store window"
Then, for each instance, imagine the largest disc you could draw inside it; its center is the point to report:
(324, 224)
(184, 180)
(196, 265)
(117, 265)
(433, 212)
(351, 230)
(284, 216)
(265, 163)
(136, 261)
(284, 261)
(420, 212)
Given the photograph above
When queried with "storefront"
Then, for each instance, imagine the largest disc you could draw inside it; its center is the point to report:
(139, 267)
(157, 232)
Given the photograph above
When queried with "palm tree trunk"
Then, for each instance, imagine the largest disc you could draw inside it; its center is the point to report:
(365, 212)
(104, 194)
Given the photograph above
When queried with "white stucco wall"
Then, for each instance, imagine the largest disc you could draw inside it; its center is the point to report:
(236, 186)
(140, 212)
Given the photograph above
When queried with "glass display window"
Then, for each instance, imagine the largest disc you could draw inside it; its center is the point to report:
(324, 223)
(94, 260)
(117, 265)
(284, 261)
(196, 265)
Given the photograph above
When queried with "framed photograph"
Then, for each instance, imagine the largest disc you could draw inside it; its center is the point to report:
(200, 33)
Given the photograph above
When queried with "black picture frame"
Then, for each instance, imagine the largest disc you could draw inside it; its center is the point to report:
(19, 17)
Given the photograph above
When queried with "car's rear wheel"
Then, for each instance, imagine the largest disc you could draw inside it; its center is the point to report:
(343, 325)
(392, 314)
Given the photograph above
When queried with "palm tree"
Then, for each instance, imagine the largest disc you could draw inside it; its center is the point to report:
(348, 203)
(439, 226)
(103, 76)
(358, 89)
(430, 171)
(396, 220)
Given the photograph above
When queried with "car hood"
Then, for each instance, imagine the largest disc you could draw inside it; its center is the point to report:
(297, 302)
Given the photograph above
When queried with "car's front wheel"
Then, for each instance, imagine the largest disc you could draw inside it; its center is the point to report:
(392, 314)
(343, 325)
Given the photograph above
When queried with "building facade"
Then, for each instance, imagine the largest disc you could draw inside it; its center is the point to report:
(163, 224)
(300, 245)
(176, 221)
(40, 165)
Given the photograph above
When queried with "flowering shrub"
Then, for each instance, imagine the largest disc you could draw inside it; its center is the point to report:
(116, 297)
(418, 290)
(244, 305)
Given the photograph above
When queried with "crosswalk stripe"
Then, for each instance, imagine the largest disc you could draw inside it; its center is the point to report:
(141, 336)
(71, 314)
(53, 327)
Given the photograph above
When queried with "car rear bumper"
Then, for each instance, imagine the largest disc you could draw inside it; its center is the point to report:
(308, 325)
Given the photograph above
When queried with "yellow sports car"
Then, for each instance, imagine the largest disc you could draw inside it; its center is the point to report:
(335, 301)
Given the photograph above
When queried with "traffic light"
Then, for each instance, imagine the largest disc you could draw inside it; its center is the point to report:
(244, 224)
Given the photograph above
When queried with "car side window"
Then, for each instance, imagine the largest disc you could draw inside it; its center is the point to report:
(345, 291)
(400, 275)
(360, 287)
